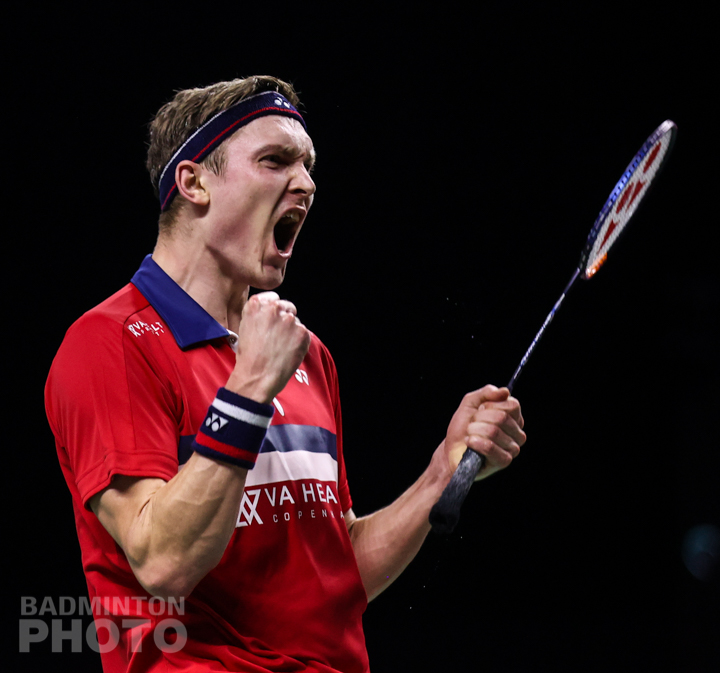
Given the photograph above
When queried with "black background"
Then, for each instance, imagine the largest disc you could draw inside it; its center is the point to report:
(463, 154)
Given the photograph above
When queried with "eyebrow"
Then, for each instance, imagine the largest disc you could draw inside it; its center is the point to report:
(289, 151)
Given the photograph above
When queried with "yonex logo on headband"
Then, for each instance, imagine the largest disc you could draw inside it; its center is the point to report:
(218, 129)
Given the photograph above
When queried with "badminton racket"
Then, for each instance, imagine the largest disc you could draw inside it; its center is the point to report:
(609, 225)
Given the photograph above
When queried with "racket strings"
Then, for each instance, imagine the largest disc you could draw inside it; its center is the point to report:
(626, 197)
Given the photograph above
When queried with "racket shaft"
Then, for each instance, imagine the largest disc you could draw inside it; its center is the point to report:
(541, 331)
(445, 513)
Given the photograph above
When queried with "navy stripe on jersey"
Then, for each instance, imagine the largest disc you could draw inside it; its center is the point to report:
(300, 438)
(281, 438)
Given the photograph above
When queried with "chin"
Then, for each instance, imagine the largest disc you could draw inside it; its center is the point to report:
(269, 282)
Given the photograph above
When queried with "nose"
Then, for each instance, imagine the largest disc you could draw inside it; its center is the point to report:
(301, 182)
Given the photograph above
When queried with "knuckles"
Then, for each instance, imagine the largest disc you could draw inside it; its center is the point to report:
(493, 423)
(270, 308)
(503, 459)
(492, 432)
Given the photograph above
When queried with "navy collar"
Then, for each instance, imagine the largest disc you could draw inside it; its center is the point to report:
(189, 322)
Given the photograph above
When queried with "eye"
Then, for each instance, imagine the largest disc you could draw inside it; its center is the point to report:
(273, 159)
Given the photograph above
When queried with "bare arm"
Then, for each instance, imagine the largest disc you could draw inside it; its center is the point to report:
(490, 422)
(173, 533)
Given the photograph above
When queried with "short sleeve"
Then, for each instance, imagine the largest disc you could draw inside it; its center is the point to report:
(111, 406)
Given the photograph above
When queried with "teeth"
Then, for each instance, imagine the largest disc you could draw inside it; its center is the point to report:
(292, 217)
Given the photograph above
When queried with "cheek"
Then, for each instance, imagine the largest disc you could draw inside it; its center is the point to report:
(252, 200)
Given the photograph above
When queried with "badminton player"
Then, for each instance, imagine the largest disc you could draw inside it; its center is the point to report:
(199, 430)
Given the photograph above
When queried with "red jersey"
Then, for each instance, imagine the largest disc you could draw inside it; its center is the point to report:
(126, 394)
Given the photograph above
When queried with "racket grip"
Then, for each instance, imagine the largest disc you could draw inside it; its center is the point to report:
(446, 511)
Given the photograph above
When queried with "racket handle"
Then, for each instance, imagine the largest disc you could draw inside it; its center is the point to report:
(446, 511)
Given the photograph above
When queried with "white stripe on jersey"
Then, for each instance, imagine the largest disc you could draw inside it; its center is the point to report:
(276, 466)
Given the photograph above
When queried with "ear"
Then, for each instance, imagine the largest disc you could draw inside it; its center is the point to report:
(190, 183)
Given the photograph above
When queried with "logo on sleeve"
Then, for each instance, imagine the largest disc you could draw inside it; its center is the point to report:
(139, 328)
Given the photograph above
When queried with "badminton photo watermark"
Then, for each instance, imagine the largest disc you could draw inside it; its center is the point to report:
(71, 624)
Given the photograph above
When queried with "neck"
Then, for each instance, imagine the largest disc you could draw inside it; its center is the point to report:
(196, 271)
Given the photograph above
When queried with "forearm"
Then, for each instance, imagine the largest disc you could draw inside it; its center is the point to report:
(188, 523)
(173, 533)
(386, 541)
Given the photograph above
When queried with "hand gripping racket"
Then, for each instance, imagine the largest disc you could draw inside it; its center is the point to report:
(611, 222)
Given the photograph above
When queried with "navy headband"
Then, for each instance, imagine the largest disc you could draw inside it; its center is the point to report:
(220, 128)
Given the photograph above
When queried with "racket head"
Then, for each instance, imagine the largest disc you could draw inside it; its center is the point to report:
(626, 197)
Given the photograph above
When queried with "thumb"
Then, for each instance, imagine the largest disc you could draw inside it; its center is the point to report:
(487, 393)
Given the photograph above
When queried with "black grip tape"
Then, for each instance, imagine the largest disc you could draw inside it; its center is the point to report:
(446, 511)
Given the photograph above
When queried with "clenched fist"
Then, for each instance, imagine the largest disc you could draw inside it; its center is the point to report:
(272, 343)
(490, 422)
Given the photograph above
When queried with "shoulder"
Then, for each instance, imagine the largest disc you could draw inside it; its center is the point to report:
(104, 326)
(320, 352)
(320, 362)
(98, 336)
(114, 312)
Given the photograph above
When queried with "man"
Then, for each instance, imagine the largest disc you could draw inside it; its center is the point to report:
(231, 503)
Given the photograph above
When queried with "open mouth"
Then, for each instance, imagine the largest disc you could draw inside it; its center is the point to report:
(285, 231)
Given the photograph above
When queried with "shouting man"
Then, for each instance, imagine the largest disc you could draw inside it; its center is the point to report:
(199, 428)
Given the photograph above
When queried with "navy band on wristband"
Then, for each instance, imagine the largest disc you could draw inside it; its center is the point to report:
(234, 429)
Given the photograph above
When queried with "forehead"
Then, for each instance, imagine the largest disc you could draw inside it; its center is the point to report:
(282, 132)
